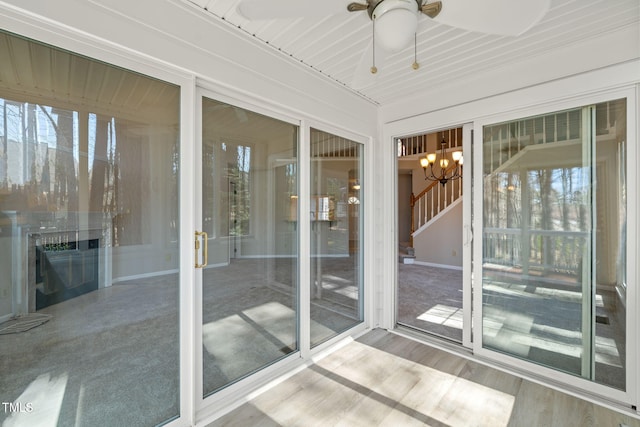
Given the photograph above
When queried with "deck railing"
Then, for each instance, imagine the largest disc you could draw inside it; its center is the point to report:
(545, 251)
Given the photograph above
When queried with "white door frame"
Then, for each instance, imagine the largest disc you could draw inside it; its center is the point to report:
(467, 236)
(390, 301)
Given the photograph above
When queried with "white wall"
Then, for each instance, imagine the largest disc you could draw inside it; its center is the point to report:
(613, 48)
(441, 242)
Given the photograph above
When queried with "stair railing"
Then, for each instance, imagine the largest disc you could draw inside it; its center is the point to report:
(432, 200)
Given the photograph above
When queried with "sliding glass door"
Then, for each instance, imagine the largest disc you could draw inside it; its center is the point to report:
(554, 203)
(336, 216)
(249, 248)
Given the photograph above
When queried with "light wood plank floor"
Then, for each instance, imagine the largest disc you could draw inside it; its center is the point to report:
(384, 379)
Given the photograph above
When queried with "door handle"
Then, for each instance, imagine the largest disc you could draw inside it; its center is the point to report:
(205, 252)
(468, 235)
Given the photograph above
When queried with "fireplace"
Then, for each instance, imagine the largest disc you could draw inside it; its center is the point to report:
(65, 270)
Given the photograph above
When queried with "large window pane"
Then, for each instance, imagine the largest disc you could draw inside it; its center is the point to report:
(336, 235)
(554, 239)
(250, 288)
(88, 240)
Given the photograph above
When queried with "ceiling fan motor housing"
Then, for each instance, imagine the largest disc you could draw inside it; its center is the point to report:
(373, 4)
(395, 22)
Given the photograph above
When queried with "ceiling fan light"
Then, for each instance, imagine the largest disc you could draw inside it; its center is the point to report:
(396, 22)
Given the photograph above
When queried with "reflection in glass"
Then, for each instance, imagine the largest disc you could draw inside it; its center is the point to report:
(88, 239)
(336, 235)
(554, 239)
(250, 289)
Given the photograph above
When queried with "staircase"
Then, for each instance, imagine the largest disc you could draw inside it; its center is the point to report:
(431, 202)
(436, 197)
(406, 254)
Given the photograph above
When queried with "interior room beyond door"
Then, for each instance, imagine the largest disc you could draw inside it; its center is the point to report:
(430, 219)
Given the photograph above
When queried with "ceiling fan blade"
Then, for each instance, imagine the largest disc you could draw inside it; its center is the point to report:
(431, 9)
(357, 7)
(502, 17)
(255, 10)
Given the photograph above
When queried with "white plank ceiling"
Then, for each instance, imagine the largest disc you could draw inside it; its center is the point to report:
(339, 45)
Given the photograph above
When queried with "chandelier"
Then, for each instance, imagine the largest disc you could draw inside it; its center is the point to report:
(445, 173)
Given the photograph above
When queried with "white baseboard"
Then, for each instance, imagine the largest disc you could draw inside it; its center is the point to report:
(431, 264)
(144, 275)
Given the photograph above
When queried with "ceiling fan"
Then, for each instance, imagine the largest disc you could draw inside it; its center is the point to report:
(395, 21)
(503, 17)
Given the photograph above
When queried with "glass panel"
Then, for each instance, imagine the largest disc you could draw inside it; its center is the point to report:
(88, 240)
(336, 235)
(250, 288)
(554, 240)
